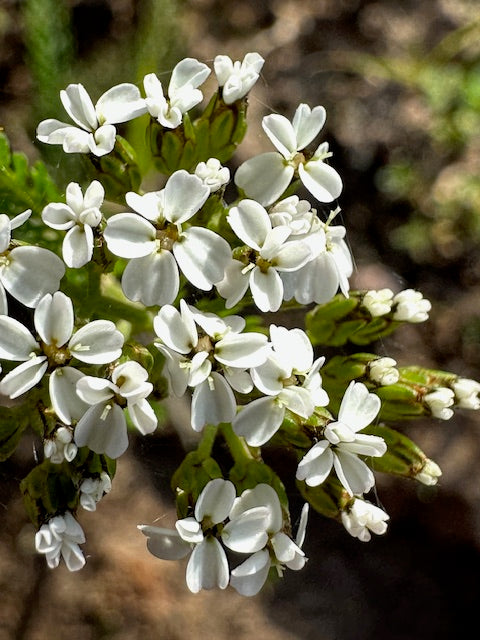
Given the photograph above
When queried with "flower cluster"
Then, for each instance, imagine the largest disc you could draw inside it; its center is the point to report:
(167, 290)
(251, 524)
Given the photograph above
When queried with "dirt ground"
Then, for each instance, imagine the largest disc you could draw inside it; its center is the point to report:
(420, 580)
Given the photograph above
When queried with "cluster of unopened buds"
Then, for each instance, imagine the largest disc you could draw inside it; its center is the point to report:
(202, 275)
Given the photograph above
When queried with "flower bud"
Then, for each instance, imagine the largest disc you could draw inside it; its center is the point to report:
(378, 303)
(439, 402)
(383, 371)
(430, 473)
(411, 306)
(466, 393)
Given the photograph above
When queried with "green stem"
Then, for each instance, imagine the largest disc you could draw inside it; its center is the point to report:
(237, 446)
(207, 441)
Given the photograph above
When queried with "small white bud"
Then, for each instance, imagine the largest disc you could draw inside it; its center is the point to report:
(467, 393)
(411, 306)
(383, 371)
(378, 303)
(430, 473)
(439, 402)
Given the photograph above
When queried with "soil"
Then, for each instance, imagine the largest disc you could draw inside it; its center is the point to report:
(421, 579)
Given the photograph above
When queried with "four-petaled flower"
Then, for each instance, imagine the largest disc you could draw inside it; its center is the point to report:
(267, 176)
(343, 444)
(59, 538)
(95, 132)
(79, 216)
(237, 78)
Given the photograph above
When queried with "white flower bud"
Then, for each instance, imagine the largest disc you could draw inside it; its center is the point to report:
(378, 303)
(212, 174)
(467, 393)
(383, 371)
(430, 473)
(411, 306)
(364, 517)
(439, 402)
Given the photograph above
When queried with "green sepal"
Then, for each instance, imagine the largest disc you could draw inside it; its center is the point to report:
(300, 433)
(403, 457)
(400, 401)
(188, 481)
(330, 498)
(118, 171)
(48, 490)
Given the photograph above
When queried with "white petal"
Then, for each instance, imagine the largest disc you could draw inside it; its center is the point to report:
(242, 350)
(258, 421)
(281, 133)
(175, 329)
(248, 532)
(72, 556)
(161, 285)
(94, 195)
(94, 390)
(16, 341)
(268, 377)
(223, 67)
(293, 347)
(358, 407)
(307, 124)
(250, 223)
(250, 576)
(316, 464)
(165, 544)
(31, 273)
(321, 180)
(103, 140)
(120, 104)
(5, 232)
(79, 106)
(190, 530)
(365, 445)
(352, 472)
(54, 319)
(264, 177)
(3, 301)
(262, 495)
(53, 131)
(267, 289)
(203, 256)
(62, 389)
(215, 501)
(77, 248)
(298, 400)
(75, 140)
(212, 405)
(284, 548)
(24, 377)
(143, 416)
(58, 216)
(207, 567)
(103, 430)
(234, 284)
(185, 194)
(129, 235)
(98, 342)
(188, 71)
(292, 256)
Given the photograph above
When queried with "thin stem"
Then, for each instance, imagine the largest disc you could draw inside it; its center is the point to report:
(237, 446)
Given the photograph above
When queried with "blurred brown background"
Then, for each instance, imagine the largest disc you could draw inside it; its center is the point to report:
(401, 85)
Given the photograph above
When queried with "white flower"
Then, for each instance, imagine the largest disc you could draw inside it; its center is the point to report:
(439, 403)
(61, 537)
(207, 567)
(103, 427)
(271, 254)
(467, 393)
(212, 174)
(95, 132)
(60, 447)
(383, 371)
(97, 342)
(256, 526)
(410, 306)
(183, 93)
(429, 474)
(343, 444)
(237, 78)
(155, 242)
(78, 217)
(378, 303)
(266, 177)
(26, 272)
(212, 360)
(290, 379)
(92, 490)
(328, 270)
(363, 517)
(297, 215)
